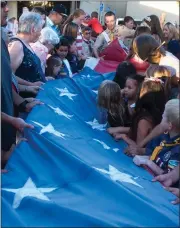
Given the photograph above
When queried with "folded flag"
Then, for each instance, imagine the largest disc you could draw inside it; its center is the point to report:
(115, 51)
(101, 66)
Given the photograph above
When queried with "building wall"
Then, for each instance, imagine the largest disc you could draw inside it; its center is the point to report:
(136, 9)
(141, 9)
(89, 6)
(119, 7)
(12, 5)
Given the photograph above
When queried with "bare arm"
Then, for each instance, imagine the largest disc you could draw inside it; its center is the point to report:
(156, 169)
(30, 89)
(17, 100)
(144, 160)
(116, 130)
(23, 82)
(95, 52)
(170, 178)
(6, 118)
(98, 44)
(18, 123)
(158, 130)
(16, 54)
(144, 127)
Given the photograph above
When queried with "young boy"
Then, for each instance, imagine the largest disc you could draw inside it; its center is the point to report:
(165, 149)
(61, 51)
(87, 42)
(76, 63)
(95, 24)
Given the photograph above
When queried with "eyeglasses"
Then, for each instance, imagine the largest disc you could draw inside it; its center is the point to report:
(3, 4)
(87, 33)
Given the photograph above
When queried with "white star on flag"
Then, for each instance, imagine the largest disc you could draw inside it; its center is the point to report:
(95, 91)
(60, 112)
(65, 92)
(29, 189)
(95, 125)
(50, 129)
(106, 147)
(116, 175)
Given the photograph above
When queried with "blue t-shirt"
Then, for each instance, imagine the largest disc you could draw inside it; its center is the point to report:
(169, 156)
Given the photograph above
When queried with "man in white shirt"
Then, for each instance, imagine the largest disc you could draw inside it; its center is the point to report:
(111, 33)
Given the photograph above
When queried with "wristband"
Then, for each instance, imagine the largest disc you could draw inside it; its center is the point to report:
(22, 106)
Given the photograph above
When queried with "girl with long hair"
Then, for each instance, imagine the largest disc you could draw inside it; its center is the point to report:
(110, 99)
(53, 68)
(148, 111)
(77, 17)
(130, 93)
(171, 35)
(153, 23)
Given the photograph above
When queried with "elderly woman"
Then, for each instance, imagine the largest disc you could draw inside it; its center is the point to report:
(25, 63)
(47, 40)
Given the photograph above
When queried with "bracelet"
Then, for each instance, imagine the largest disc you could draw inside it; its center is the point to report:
(22, 106)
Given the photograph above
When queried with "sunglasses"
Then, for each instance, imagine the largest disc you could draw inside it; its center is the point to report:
(87, 33)
(3, 4)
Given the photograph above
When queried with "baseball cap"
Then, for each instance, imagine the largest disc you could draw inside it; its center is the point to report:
(60, 9)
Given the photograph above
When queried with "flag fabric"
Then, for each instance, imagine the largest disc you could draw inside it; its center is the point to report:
(72, 173)
(101, 66)
(115, 53)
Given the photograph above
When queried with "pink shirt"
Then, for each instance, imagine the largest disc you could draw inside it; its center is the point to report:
(42, 52)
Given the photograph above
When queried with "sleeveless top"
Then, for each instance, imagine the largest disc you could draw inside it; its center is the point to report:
(30, 68)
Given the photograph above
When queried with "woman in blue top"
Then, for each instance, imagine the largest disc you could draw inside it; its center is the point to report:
(172, 38)
(25, 63)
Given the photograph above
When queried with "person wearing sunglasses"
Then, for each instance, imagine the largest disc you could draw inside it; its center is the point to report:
(55, 18)
(87, 42)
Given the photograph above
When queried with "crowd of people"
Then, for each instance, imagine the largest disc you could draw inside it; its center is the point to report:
(141, 103)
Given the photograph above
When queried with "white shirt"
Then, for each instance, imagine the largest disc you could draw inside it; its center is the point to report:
(171, 62)
(49, 23)
(66, 62)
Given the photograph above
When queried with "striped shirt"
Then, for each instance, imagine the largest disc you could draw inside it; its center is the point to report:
(79, 42)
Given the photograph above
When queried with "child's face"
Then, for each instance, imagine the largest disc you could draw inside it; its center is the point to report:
(73, 48)
(79, 20)
(130, 89)
(62, 52)
(130, 24)
(56, 70)
(165, 123)
(87, 35)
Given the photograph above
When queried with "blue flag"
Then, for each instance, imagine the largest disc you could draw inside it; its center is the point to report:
(72, 173)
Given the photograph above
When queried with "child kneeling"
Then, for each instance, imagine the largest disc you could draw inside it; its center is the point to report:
(165, 148)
